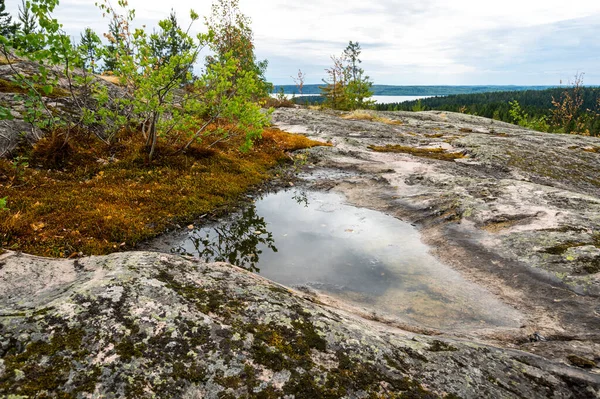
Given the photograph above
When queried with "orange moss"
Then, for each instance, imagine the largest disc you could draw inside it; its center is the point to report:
(107, 198)
(435, 153)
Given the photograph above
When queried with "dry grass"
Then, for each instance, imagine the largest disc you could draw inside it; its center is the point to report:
(110, 78)
(103, 199)
(362, 115)
(434, 153)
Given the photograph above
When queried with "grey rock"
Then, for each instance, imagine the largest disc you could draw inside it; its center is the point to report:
(143, 324)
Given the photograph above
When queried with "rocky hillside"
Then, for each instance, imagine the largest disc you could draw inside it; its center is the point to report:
(514, 211)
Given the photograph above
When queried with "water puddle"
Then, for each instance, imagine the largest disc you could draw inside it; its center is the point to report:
(358, 255)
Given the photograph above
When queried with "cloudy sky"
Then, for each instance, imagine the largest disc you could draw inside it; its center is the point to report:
(404, 42)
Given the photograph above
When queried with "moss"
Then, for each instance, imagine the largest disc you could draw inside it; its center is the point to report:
(440, 346)
(592, 149)
(582, 362)
(95, 208)
(279, 347)
(128, 349)
(206, 301)
(434, 153)
(465, 130)
(369, 116)
(560, 249)
(354, 375)
(592, 266)
(40, 376)
(8, 86)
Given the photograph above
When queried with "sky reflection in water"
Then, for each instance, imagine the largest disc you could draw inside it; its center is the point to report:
(359, 255)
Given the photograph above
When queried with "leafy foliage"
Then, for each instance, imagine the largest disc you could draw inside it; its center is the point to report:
(159, 94)
(522, 119)
(232, 37)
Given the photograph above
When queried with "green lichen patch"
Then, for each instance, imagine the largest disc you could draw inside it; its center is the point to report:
(43, 367)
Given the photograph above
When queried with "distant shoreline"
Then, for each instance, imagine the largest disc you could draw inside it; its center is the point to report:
(389, 90)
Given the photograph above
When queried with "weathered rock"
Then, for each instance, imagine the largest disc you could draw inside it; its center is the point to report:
(143, 324)
(531, 197)
(519, 214)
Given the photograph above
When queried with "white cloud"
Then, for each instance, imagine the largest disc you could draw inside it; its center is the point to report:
(404, 41)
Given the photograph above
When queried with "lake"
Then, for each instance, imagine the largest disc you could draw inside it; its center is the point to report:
(378, 99)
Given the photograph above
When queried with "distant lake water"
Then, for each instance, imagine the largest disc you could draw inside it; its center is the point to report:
(378, 99)
(396, 99)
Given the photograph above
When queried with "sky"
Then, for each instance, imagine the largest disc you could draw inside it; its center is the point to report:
(404, 42)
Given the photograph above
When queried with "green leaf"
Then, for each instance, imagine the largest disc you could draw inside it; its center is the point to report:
(47, 89)
(5, 114)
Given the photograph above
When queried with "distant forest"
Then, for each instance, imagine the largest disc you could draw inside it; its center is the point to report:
(387, 90)
(534, 103)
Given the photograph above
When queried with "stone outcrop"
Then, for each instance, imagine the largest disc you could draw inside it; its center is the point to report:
(531, 197)
(143, 324)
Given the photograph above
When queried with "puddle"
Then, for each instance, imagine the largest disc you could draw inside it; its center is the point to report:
(327, 173)
(358, 255)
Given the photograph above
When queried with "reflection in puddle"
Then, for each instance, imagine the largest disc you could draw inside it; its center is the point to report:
(238, 242)
(358, 255)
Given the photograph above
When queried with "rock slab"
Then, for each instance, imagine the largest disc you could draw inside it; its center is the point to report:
(143, 324)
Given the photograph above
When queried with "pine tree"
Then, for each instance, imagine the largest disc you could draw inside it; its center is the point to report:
(7, 27)
(89, 49)
(27, 26)
(26, 19)
(169, 40)
(111, 50)
(351, 54)
(334, 91)
(359, 87)
(233, 37)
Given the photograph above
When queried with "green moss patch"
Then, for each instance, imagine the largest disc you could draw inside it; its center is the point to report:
(8, 86)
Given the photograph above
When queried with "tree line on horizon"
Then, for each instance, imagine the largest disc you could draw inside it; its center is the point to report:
(573, 109)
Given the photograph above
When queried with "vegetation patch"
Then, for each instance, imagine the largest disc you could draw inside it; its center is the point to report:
(582, 362)
(592, 149)
(67, 196)
(8, 86)
(434, 153)
(362, 115)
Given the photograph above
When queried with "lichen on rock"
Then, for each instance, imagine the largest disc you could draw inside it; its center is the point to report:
(143, 324)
